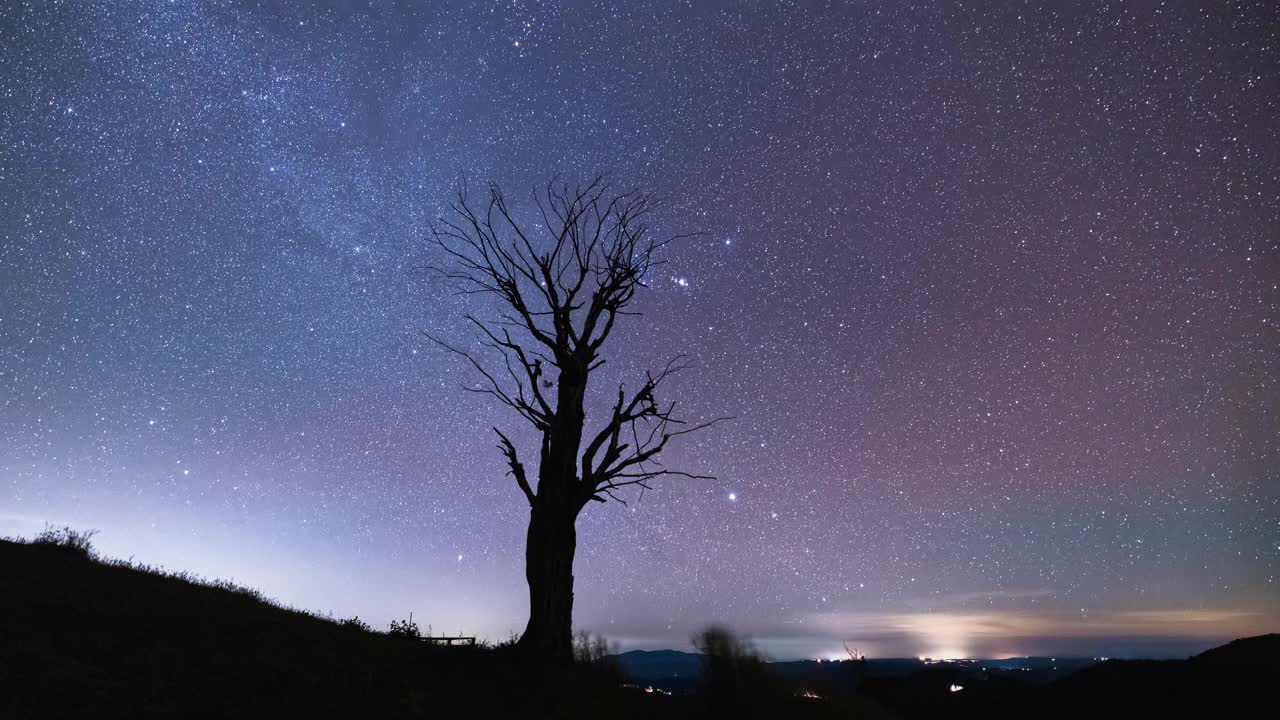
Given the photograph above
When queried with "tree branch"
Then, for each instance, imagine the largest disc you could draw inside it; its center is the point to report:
(517, 469)
(561, 293)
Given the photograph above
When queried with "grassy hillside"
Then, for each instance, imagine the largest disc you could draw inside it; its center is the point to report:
(81, 637)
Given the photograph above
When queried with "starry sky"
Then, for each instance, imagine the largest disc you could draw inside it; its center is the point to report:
(991, 289)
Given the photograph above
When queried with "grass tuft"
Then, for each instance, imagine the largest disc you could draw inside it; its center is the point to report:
(68, 540)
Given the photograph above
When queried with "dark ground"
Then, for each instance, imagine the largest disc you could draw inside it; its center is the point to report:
(83, 638)
(80, 638)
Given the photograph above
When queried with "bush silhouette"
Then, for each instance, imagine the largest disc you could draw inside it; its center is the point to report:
(405, 628)
(66, 539)
(354, 623)
(590, 648)
(735, 679)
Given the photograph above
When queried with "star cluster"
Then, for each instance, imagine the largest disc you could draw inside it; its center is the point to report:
(991, 290)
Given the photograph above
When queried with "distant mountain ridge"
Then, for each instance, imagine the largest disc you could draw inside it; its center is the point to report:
(1257, 650)
(1234, 680)
(652, 663)
(679, 670)
(1243, 652)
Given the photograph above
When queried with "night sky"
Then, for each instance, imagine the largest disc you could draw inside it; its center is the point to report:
(991, 291)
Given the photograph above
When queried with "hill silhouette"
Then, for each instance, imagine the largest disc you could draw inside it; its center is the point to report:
(1232, 680)
(1243, 654)
(84, 637)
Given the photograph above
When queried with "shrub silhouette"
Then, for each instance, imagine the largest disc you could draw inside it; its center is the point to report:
(593, 658)
(735, 679)
(405, 628)
(590, 648)
(354, 623)
(66, 539)
(509, 644)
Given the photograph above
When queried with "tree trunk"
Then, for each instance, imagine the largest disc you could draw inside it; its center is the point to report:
(549, 551)
(552, 538)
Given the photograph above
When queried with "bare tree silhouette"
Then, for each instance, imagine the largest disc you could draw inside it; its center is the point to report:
(561, 293)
